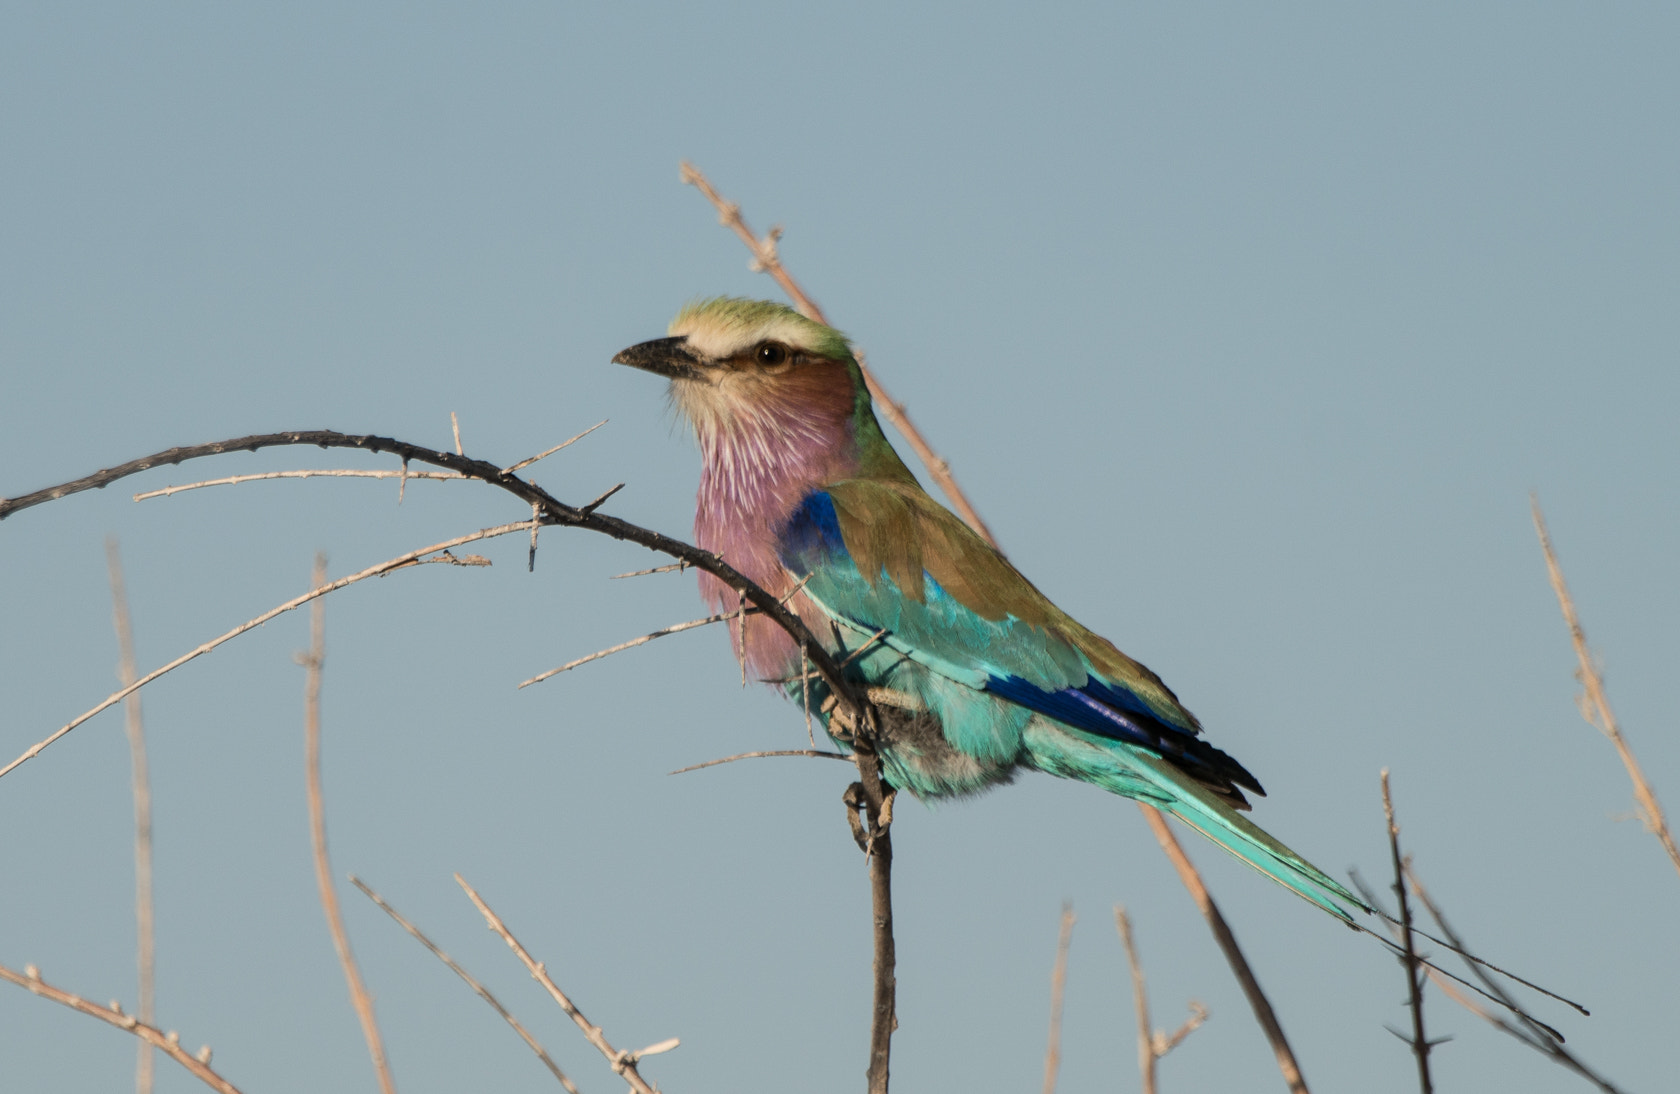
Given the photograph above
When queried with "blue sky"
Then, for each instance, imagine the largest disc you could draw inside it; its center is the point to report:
(1249, 332)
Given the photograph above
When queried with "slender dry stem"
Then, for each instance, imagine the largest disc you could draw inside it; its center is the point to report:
(483, 992)
(135, 727)
(321, 473)
(623, 1063)
(1409, 958)
(1263, 1012)
(1058, 989)
(767, 260)
(169, 1043)
(1596, 707)
(359, 996)
(389, 565)
(1153, 1044)
(758, 755)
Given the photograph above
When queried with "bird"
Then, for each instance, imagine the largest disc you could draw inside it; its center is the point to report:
(978, 675)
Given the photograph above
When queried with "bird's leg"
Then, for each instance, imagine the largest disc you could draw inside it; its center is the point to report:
(856, 803)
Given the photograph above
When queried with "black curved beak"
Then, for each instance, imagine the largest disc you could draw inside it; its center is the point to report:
(665, 356)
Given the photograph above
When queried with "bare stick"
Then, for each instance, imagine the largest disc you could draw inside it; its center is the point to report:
(322, 473)
(455, 427)
(145, 936)
(389, 565)
(675, 567)
(1409, 959)
(757, 755)
(884, 1009)
(1152, 1043)
(1596, 708)
(169, 1043)
(483, 992)
(766, 259)
(1233, 953)
(1533, 1032)
(675, 628)
(529, 460)
(1058, 986)
(623, 1063)
(359, 997)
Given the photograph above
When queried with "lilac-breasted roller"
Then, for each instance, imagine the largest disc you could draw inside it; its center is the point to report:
(977, 673)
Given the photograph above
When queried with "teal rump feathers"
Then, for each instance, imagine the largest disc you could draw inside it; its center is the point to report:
(978, 675)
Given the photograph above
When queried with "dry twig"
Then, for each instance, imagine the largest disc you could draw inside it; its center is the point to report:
(359, 996)
(483, 992)
(757, 755)
(134, 725)
(1532, 1032)
(1233, 953)
(321, 473)
(1409, 958)
(1058, 988)
(401, 561)
(623, 1063)
(1595, 706)
(1153, 1044)
(169, 1043)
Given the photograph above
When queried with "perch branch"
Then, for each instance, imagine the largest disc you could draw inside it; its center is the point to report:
(623, 1063)
(169, 1043)
(1596, 707)
(359, 996)
(483, 992)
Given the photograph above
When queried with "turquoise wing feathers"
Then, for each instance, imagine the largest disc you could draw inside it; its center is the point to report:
(928, 610)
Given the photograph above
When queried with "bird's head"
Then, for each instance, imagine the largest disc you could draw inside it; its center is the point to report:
(732, 360)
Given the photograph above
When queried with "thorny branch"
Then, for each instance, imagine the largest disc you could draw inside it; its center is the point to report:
(1409, 959)
(623, 1063)
(169, 1043)
(483, 992)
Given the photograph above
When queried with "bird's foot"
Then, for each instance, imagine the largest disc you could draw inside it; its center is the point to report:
(864, 827)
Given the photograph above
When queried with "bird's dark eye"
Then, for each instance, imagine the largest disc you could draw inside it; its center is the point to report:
(772, 353)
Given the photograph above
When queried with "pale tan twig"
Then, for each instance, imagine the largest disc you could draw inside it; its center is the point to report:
(482, 991)
(1058, 987)
(623, 1063)
(145, 936)
(675, 567)
(529, 460)
(766, 259)
(1152, 1043)
(359, 996)
(455, 427)
(1596, 706)
(674, 628)
(169, 1043)
(601, 500)
(400, 562)
(1409, 957)
(769, 752)
(1533, 1032)
(322, 473)
(1263, 1012)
